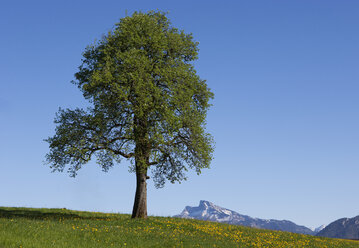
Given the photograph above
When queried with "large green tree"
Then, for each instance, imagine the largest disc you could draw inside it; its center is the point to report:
(148, 105)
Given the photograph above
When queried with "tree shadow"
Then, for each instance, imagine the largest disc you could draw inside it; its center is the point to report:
(38, 215)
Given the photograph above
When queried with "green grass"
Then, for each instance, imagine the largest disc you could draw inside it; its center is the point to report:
(45, 228)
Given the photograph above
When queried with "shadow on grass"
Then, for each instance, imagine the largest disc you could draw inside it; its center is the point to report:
(33, 214)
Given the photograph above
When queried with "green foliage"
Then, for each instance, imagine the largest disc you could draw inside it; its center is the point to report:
(23, 227)
(148, 103)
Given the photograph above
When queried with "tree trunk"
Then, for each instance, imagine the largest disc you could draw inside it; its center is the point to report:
(140, 205)
(142, 155)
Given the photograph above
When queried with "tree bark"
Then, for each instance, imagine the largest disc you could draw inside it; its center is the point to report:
(140, 205)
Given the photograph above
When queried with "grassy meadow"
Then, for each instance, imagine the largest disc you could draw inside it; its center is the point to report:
(25, 227)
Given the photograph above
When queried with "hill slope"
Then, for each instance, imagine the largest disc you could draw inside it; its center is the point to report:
(345, 228)
(22, 227)
(208, 211)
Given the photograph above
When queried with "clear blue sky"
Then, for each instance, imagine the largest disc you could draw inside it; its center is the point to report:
(285, 116)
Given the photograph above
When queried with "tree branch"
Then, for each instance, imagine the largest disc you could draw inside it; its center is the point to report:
(125, 155)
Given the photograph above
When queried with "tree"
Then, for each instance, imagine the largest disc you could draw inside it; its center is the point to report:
(148, 105)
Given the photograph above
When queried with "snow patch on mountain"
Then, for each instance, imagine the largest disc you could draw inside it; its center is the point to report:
(319, 228)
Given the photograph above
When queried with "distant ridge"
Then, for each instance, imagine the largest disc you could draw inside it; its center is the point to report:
(345, 228)
(208, 211)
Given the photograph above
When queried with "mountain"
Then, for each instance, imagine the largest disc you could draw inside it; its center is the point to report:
(208, 211)
(318, 229)
(345, 228)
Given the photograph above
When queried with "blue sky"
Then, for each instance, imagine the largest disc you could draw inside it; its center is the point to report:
(285, 114)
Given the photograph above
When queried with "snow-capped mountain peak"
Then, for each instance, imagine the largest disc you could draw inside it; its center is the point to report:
(208, 211)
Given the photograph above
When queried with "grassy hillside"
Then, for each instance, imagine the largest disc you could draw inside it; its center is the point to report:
(24, 227)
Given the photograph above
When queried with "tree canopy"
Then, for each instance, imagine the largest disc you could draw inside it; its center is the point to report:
(147, 104)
